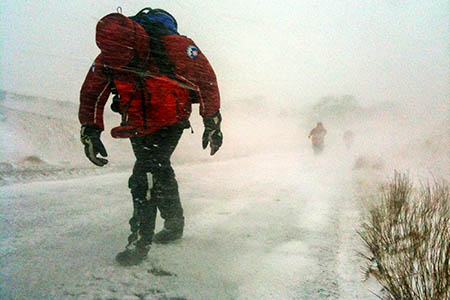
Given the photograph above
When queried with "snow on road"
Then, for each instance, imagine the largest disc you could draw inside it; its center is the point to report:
(265, 218)
(268, 226)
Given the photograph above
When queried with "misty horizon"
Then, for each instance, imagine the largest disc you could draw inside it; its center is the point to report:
(290, 54)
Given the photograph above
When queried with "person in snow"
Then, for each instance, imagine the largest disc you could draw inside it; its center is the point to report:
(317, 136)
(348, 138)
(155, 75)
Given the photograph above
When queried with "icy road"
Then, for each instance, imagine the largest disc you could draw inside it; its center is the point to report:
(272, 226)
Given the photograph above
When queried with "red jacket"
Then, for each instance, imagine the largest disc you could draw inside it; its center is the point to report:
(192, 70)
(317, 134)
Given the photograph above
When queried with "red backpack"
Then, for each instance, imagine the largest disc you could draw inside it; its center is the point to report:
(148, 93)
(150, 105)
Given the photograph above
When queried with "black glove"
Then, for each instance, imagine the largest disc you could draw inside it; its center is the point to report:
(90, 137)
(212, 133)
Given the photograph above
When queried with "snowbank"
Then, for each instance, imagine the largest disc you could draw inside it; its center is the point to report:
(266, 218)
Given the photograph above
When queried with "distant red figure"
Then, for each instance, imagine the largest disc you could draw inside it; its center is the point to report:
(317, 136)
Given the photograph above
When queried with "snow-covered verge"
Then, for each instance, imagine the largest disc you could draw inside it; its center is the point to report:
(266, 219)
(254, 231)
(40, 138)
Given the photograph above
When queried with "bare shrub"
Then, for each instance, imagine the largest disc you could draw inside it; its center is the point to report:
(407, 235)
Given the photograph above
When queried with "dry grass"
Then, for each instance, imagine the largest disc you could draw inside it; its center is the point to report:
(407, 235)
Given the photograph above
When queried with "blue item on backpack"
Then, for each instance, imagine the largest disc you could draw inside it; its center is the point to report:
(158, 15)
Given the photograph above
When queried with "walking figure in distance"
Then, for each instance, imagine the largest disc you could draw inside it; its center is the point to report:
(317, 136)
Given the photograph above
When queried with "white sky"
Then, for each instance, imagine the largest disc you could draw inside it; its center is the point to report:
(291, 52)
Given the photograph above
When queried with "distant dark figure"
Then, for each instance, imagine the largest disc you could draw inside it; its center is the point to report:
(348, 138)
(317, 136)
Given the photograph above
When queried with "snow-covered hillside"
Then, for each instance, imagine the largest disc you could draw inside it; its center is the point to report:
(266, 218)
(40, 138)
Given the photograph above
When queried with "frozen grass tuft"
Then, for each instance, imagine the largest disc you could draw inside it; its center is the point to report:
(407, 235)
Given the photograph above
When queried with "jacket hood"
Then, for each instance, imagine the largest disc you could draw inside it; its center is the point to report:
(120, 39)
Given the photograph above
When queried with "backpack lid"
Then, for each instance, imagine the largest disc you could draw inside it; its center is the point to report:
(120, 39)
(149, 15)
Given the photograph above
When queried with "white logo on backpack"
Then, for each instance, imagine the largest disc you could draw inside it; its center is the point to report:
(192, 51)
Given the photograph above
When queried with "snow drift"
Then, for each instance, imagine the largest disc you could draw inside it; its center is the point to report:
(266, 218)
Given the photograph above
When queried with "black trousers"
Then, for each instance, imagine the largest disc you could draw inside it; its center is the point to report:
(318, 148)
(153, 185)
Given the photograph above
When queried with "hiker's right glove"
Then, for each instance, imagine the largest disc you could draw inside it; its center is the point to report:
(212, 133)
(90, 137)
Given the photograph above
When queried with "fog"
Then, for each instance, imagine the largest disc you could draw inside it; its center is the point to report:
(266, 218)
(290, 53)
(265, 215)
(280, 67)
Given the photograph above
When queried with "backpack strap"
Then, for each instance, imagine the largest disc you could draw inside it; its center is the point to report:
(144, 95)
(115, 107)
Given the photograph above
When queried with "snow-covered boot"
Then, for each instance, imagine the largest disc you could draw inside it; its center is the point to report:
(135, 252)
(132, 255)
(173, 230)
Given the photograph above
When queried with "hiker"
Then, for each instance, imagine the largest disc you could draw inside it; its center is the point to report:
(348, 138)
(155, 75)
(317, 136)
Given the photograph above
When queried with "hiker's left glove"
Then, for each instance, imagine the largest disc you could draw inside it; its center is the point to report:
(212, 133)
(90, 137)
